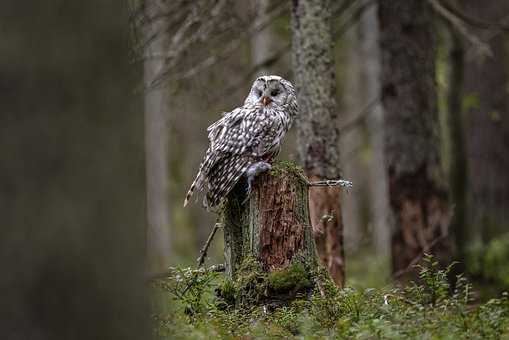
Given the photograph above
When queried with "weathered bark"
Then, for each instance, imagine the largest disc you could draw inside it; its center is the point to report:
(318, 128)
(272, 226)
(486, 84)
(272, 230)
(156, 153)
(371, 90)
(418, 197)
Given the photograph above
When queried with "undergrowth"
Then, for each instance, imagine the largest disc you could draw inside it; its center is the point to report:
(430, 309)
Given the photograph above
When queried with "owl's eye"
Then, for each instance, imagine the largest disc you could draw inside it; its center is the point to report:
(274, 92)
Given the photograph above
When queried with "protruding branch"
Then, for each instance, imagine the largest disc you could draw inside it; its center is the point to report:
(482, 48)
(204, 250)
(331, 183)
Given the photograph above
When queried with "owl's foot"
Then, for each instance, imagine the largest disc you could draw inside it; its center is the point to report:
(254, 170)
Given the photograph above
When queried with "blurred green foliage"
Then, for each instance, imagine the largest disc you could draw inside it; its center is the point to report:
(490, 262)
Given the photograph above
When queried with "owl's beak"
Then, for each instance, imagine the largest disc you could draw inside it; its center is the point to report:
(266, 101)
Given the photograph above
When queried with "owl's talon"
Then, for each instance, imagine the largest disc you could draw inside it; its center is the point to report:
(253, 171)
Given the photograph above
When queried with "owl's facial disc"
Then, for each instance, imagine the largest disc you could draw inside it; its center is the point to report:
(268, 91)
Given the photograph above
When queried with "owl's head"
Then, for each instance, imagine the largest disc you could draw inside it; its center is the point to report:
(273, 91)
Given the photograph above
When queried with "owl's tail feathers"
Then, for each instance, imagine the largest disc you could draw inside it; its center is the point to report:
(193, 187)
(208, 161)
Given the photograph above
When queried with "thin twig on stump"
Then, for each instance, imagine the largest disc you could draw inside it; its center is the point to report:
(205, 248)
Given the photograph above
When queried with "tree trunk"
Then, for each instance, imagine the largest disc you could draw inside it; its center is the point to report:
(318, 128)
(269, 235)
(262, 43)
(351, 142)
(370, 83)
(486, 84)
(458, 159)
(418, 197)
(156, 153)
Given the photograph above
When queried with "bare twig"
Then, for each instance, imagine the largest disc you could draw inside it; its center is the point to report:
(500, 26)
(482, 48)
(470, 53)
(331, 183)
(418, 258)
(205, 248)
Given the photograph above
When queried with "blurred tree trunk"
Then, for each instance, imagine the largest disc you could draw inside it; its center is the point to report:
(157, 110)
(486, 86)
(262, 43)
(318, 130)
(418, 197)
(72, 202)
(370, 81)
(352, 143)
(458, 159)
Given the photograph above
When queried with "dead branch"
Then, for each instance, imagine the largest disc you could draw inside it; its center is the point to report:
(331, 183)
(501, 26)
(481, 47)
(416, 260)
(205, 248)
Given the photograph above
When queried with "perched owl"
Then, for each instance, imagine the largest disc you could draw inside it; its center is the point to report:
(245, 140)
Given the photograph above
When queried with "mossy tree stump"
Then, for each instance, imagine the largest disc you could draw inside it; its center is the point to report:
(269, 245)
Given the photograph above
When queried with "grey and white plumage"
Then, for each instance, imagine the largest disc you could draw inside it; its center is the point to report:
(245, 137)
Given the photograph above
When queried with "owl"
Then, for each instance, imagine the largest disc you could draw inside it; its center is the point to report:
(246, 140)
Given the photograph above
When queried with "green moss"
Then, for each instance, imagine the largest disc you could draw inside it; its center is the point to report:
(287, 168)
(253, 286)
(293, 278)
(250, 283)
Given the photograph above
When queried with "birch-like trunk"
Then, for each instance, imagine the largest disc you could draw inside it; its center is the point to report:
(157, 110)
(352, 142)
(370, 79)
(262, 43)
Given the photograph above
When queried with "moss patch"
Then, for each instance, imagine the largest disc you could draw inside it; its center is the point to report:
(287, 168)
(293, 278)
(253, 286)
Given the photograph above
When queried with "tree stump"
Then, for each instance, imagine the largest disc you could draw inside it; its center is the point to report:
(269, 247)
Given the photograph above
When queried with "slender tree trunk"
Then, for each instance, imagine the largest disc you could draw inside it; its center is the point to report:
(351, 142)
(370, 80)
(156, 153)
(262, 43)
(486, 81)
(318, 135)
(418, 197)
(458, 158)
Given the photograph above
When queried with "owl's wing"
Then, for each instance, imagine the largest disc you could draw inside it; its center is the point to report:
(217, 131)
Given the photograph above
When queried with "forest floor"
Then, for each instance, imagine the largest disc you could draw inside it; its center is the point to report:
(186, 307)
